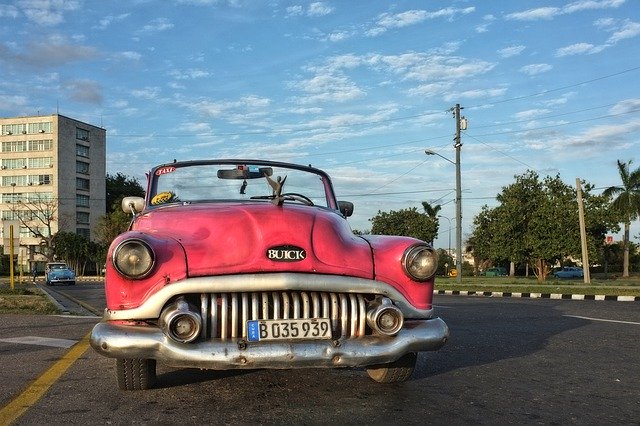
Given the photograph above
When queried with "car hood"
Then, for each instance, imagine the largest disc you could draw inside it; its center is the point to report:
(61, 273)
(229, 238)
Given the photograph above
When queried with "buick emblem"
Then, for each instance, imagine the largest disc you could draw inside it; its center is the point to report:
(286, 254)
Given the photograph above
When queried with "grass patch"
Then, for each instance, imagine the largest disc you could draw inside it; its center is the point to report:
(598, 286)
(23, 300)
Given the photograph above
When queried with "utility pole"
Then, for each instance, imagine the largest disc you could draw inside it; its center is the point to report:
(583, 234)
(461, 124)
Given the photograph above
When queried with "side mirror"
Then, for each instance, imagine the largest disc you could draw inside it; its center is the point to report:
(346, 208)
(132, 205)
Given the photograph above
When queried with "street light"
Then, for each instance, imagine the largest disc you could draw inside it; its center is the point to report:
(458, 210)
(449, 219)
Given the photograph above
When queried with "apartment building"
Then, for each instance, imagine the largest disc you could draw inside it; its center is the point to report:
(52, 178)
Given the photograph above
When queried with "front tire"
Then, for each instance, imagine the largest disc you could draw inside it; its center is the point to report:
(136, 373)
(394, 372)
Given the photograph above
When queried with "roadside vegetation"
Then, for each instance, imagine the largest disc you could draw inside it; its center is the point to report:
(25, 299)
(599, 285)
(534, 228)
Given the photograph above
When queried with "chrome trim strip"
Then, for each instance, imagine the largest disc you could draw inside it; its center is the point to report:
(118, 341)
(267, 282)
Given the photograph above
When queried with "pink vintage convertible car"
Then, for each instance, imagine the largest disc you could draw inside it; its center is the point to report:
(233, 264)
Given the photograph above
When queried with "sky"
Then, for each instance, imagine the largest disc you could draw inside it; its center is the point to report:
(358, 88)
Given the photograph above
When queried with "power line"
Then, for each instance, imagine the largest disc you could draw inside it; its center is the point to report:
(387, 120)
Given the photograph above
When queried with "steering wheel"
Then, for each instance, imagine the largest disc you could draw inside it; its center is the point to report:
(298, 197)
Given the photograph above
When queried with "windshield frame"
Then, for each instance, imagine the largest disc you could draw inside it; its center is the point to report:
(156, 173)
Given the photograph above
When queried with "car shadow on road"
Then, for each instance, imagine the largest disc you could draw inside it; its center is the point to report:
(482, 331)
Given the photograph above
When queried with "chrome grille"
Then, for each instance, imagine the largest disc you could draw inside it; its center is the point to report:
(225, 315)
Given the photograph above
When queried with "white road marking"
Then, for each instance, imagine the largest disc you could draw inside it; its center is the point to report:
(41, 341)
(603, 320)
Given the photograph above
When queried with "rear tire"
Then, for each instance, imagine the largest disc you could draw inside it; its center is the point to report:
(136, 373)
(394, 372)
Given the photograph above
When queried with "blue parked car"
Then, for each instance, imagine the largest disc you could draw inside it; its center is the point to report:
(59, 273)
(569, 272)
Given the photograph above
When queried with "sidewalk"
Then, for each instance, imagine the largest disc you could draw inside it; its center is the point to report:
(532, 295)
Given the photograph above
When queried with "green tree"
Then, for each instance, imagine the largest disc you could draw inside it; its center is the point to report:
(71, 248)
(408, 222)
(431, 211)
(120, 186)
(116, 221)
(111, 225)
(626, 203)
(536, 222)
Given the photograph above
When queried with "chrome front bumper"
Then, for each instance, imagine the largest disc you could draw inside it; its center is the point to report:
(120, 341)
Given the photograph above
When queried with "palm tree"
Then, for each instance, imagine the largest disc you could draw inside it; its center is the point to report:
(626, 203)
(431, 211)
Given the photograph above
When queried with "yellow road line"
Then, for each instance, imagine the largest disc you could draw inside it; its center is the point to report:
(32, 394)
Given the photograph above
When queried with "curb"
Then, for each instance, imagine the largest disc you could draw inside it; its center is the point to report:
(555, 296)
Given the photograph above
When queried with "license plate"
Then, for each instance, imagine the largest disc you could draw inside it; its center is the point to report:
(289, 329)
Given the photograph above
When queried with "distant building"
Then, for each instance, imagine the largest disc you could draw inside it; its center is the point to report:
(53, 165)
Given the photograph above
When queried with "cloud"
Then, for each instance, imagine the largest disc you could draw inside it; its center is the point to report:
(319, 9)
(577, 49)
(327, 87)
(605, 135)
(484, 27)
(47, 12)
(189, 74)
(548, 13)
(8, 11)
(313, 10)
(475, 94)
(156, 26)
(535, 69)
(627, 30)
(53, 51)
(338, 36)
(530, 114)
(510, 51)
(431, 89)
(620, 30)
(388, 21)
(110, 19)
(581, 5)
(84, 91)
(626, 106)
(129, 55)
(244, 110)
(534, 14)
(12, 102)
(431, 73)
(149, 93)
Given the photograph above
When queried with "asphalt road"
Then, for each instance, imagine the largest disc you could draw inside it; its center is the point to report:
(521, 361)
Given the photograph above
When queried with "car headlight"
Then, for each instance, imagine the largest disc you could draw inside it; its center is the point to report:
(420, 262)
(133, 258)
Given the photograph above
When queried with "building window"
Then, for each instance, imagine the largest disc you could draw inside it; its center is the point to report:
(82, 167)
(82, 218)
(11, 198)
(39, 180)
(83, 232)
(14, 163)
(82, 151)
(14, 180)
(82, 184)
(39, 163)
(10, 215)
(82, 134)
(14, 146)
(14, 129)
(82, 200)
(44, 127)
(39, 197)
(40, 145)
